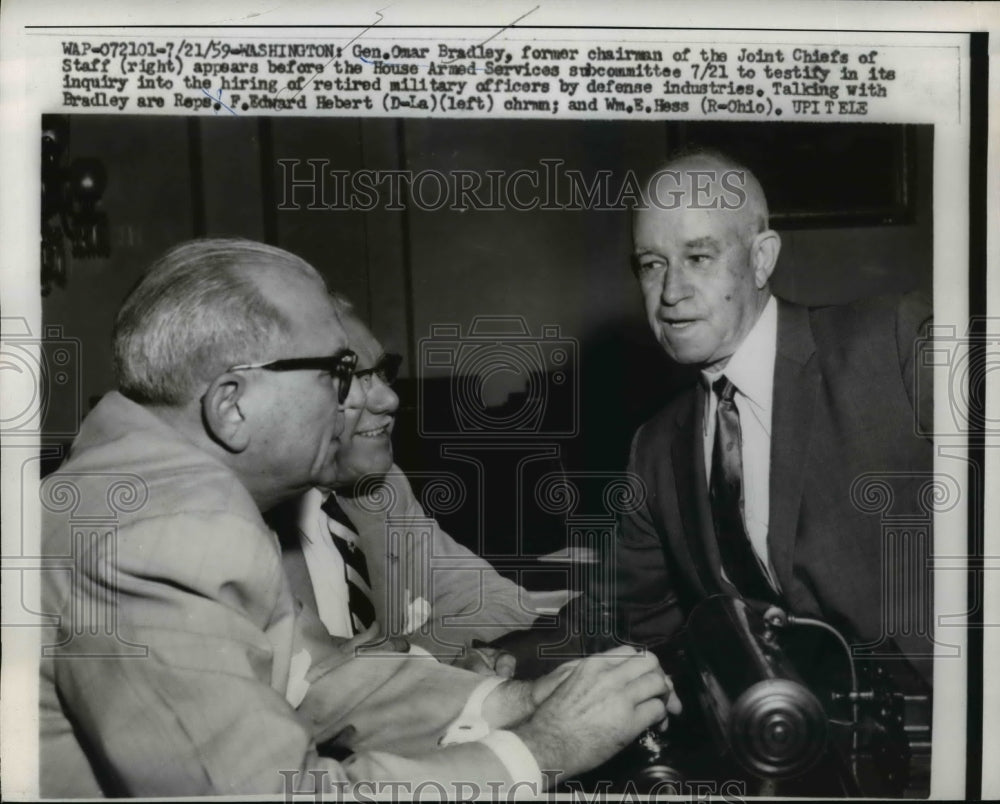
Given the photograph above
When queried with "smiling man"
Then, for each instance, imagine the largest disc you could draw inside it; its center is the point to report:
(750, 472)
(415, 580)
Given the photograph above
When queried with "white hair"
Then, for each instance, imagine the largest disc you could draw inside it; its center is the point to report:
(195, 312)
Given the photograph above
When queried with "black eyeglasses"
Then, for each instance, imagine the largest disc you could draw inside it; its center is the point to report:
(339, 366)
(386, 369)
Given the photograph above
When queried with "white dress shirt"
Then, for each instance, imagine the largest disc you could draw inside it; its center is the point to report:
(326, 566)
(751, 370)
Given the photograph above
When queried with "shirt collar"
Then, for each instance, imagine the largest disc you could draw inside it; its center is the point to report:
(309, 505)
(751, 368)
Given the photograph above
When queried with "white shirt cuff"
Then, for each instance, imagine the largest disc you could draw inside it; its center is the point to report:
(519, 761)
(470, 724)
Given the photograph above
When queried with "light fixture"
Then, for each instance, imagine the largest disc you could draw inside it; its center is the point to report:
(70, 198)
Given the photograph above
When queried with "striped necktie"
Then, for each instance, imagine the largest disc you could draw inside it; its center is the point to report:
(359, 588)
(739, 560)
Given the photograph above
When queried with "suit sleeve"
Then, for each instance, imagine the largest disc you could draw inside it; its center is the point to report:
(637, 589)
(913, 322)
(185, 694)
(647, 604)
(467, 598)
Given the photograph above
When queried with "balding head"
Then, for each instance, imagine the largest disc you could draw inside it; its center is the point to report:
(703, 179)
(703, 255)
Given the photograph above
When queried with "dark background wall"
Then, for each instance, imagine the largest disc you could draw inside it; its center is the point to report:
(409, 270)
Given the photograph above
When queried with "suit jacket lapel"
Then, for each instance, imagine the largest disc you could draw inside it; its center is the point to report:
(698, 541)
(294, 563)
(796, 385)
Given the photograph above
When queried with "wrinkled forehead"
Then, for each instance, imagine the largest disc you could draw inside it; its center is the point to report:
(705, 183)
(656, 229)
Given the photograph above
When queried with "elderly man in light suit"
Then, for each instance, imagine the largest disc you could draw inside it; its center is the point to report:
(179, 662)
(421, 582)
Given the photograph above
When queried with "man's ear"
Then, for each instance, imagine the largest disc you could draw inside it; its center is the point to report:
(224, 418)
(764, 252)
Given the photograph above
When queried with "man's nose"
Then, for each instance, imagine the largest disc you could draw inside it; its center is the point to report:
(674, 288)
(355, 395)
(381, 397)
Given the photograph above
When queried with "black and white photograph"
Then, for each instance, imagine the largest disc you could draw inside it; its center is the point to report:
(521, 405)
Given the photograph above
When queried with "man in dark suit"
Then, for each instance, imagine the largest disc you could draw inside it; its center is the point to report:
(759, 477)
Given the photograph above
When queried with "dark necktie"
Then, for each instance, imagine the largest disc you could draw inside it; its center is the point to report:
(726, 490)
(359, 588)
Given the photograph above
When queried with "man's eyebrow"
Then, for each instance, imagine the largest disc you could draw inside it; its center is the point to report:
(702, 242)
(376, 362)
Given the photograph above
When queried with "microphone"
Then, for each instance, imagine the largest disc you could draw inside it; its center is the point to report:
(756, 704)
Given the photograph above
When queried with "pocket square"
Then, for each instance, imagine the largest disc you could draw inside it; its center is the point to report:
(417, 614)
(297, 684)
